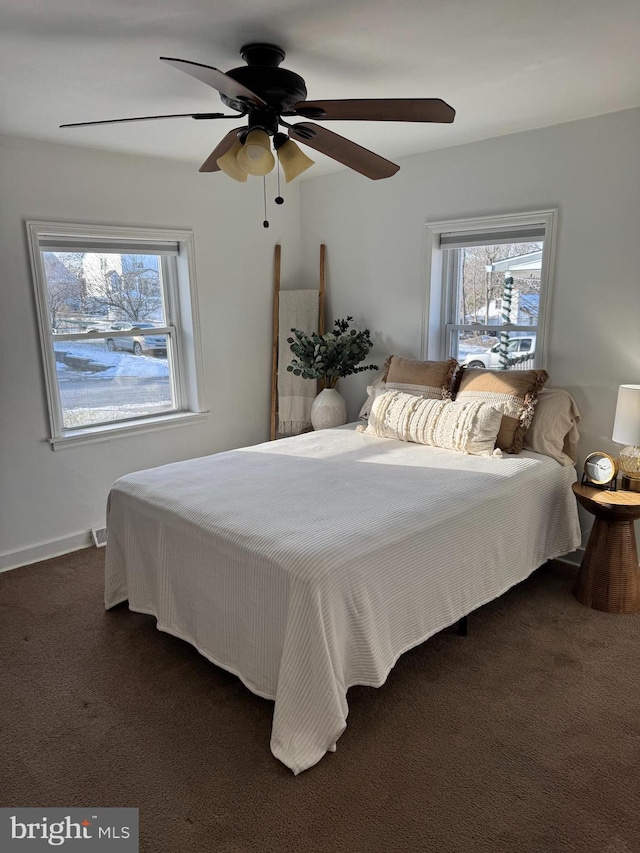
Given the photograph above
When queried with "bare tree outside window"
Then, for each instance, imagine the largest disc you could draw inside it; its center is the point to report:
(86, 286)
(117, 317)
(489, 287)
(480, 287)
(497, 287)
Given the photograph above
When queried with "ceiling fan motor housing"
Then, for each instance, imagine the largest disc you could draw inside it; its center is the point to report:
(279, 88)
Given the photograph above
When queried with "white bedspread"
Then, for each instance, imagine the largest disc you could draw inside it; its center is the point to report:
(310, 564)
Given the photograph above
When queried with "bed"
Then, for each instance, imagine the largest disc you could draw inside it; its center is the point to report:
(308, 565)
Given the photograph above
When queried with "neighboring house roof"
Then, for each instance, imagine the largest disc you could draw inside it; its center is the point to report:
(521, 266)
(529, 302)
(527, 305)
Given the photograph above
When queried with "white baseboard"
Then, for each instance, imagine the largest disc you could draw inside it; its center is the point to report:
(44, 551)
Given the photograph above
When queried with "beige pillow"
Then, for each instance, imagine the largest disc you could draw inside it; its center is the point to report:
(514, 392)
(468, 427)
(554, 428)
(431, 379)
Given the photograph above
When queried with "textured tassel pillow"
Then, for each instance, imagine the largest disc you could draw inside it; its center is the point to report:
(433, 379)
(514, 392)
(468, 427)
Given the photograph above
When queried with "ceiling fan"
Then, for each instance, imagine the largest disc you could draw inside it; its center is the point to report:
(265, 94)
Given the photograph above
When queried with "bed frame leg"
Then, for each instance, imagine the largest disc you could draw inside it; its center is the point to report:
(462, 627)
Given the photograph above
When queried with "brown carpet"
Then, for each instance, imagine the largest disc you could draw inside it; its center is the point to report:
(524, 736)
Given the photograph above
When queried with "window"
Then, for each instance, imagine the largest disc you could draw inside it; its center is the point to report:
(116, 310)
(489, 290)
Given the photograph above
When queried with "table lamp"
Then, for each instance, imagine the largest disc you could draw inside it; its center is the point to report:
(626, 430)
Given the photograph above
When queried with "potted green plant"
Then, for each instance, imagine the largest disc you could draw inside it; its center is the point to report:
(328, 358)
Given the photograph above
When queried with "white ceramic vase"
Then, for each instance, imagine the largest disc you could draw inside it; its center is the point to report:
(328, 409)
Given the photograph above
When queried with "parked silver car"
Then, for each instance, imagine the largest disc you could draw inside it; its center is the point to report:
(521, 349)
(137, 343)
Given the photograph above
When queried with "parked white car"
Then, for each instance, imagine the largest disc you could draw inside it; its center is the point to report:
(519, 348)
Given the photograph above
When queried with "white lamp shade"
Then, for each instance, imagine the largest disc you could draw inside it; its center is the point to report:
(626, 426)
(256, 157)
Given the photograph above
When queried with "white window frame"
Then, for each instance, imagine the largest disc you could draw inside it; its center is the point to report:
(437, 313)
(183, 334)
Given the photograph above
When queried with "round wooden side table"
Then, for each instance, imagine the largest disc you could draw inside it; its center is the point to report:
(609, 577)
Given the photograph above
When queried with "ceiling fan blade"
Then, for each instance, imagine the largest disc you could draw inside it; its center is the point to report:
(217, 79)
(210, 164)
(343, 150)
(151, 118)
(381, 109)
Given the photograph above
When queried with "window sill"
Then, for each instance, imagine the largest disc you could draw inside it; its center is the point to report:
(109, 432)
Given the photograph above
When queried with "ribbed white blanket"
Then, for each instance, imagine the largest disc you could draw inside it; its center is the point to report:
(309, 565)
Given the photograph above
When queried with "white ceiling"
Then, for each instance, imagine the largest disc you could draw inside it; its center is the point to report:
(504, 65)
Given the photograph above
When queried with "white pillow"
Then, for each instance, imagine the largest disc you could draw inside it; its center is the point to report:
(468, 427)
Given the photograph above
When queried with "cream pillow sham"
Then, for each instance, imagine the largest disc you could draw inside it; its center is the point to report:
(554, 429)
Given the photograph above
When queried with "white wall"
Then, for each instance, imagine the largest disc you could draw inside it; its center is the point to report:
(375, 238)
(46, 495)
(589, 170)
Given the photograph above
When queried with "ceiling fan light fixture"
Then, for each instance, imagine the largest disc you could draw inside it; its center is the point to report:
(228, 163)
(265, 92)
(293, 160)
(256, 157)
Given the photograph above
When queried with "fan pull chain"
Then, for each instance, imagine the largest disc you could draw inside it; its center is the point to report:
(265, 224)
(279, 199)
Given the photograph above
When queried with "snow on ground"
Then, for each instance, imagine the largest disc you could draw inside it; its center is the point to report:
(467, 349)
(118, 363)
(125, 364)
(82, 416)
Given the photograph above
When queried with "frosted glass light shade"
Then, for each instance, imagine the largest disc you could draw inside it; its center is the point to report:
(629, 465)
(256, 157)
(228, 163)
(293, 161)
